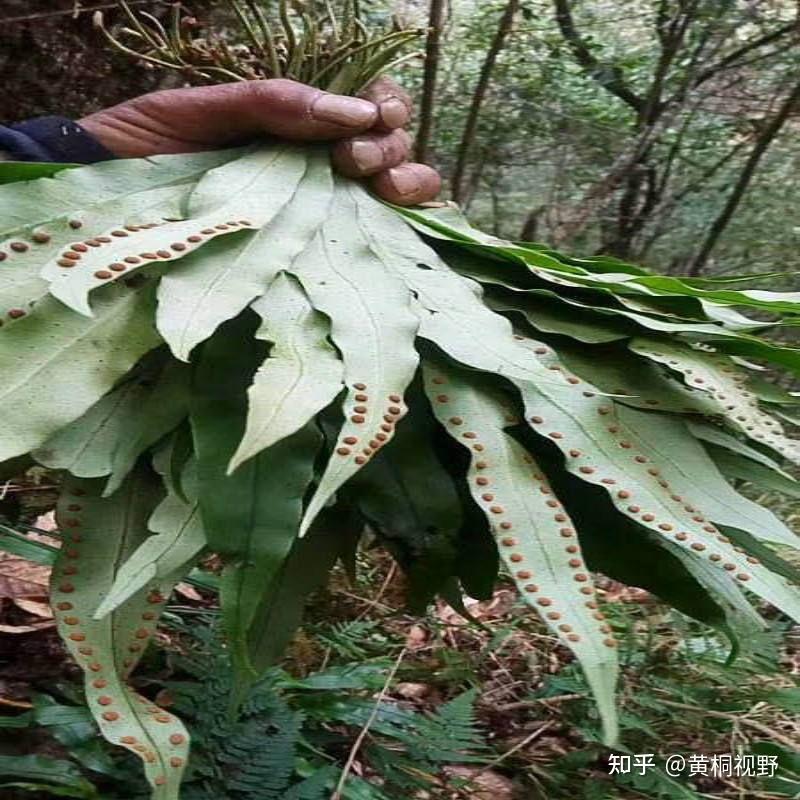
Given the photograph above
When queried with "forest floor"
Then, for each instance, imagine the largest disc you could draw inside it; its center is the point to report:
(499, 709)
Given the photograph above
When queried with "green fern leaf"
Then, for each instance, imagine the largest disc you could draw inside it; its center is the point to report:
(534, 534)
(99, 534)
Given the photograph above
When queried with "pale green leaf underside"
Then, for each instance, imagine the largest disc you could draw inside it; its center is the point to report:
(178, 538)
(720, 378)
(301, 376)
(372, 326)
(57, 364)
(534, 534)
(100, 534)
(215, 283)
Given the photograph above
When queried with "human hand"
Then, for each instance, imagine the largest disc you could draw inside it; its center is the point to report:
(370, 140)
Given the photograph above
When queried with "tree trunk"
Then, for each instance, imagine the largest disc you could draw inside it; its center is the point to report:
(428, 104)
(741, 186)
(471, 126)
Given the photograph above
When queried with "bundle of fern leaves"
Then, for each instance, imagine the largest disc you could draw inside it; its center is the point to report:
(241, 352)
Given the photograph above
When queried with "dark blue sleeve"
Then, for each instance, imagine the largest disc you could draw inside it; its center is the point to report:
(51, 139)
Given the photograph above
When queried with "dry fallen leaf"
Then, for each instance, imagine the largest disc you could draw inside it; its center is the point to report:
(484, 785)
(34, 607)
(21, 578)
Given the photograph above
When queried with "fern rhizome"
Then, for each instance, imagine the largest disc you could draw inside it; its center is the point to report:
(242, 352)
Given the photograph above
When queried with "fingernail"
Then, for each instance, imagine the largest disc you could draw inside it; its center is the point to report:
(347, 111)
(403, 181)
(394, 113)
(367, 155)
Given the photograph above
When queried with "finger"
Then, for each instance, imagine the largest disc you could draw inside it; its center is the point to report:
(293, 110)
(371, 153)
(408, 184)
(393, 102)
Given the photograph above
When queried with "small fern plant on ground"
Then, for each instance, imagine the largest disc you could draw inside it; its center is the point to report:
(241, 352)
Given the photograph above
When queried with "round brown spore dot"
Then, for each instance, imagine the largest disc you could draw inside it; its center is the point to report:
(508, 542)
(19, 247)
(194, 238)
(516, 558)
(176, 762)
(16, 313)
(386, 428)
(3, 256)
(148, 256)
(131, 260)
(648, 517)
(85, 651)
(117, 267)
(565, 628)
(163, 718)
(482, 481)
(544, 601)
(103, 274)
(640, 460)
(100, 683)
(360, 386)
(178, 247)
(360, 460)
(634, 509)
(381, 437)
(70, 569)
(343, 451)
(556, 435)
(105, 700)
(71, 621)
(110, 716)
(608, 481)
(609, 643)
(730, 567)
(554, 615)
(75, 224)
(506, 526)
(119, 233)
(40, 237)
(586, 470)
(357, 418)
(207, 231)
(66, 588)
(128, 740)
(560, 517)
(552, 504)
(575, 563)
(743, 576)
(580, 577)
(96, 666)
(625, 445)
(63, 606)
(160, 780)
(566, 533)
(536, 420)
(587, 590)
(135, 648)
(92, 242)
(481, 465)
(469, 435)
(571, 548)
(142, 633)
(177, 738)
(496, 509)
(360, 409)
(665, 526)
(575, 453)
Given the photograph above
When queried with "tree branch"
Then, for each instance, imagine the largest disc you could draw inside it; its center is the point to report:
(739, 190)
(471, 126)
(608, 76)
(432, 51)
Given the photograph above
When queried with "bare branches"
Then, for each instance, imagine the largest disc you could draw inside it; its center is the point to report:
(607, 75)
(427, 105)
(763, 142)
(471, 126)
